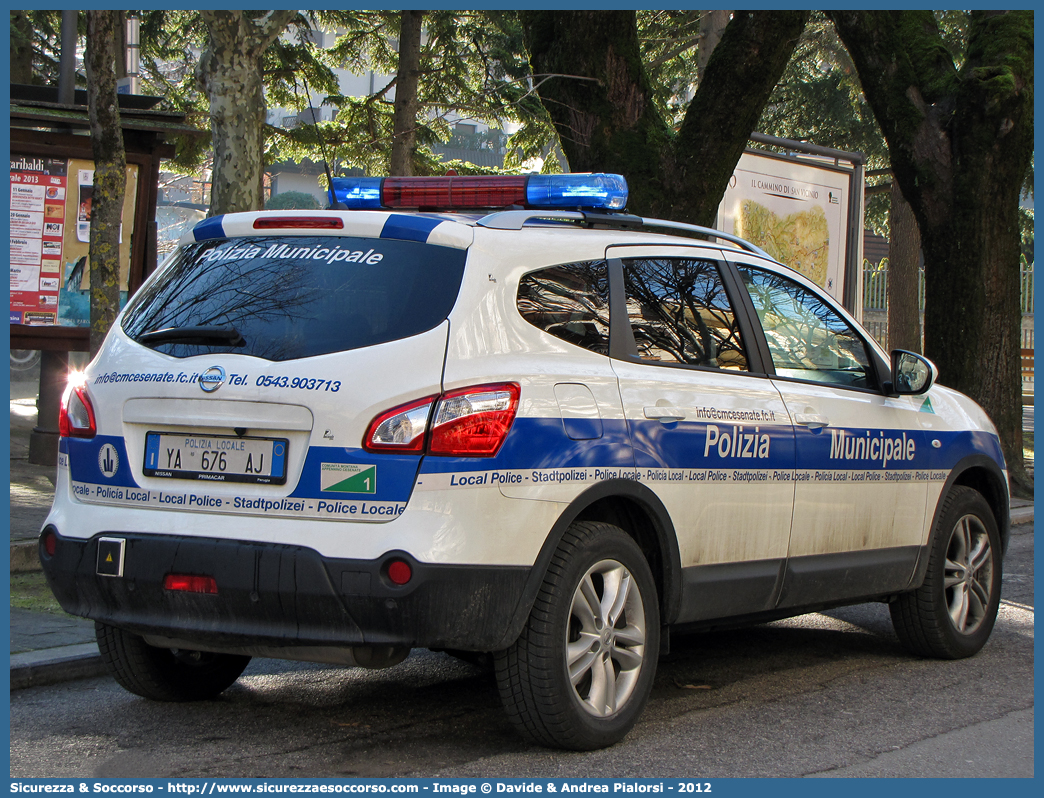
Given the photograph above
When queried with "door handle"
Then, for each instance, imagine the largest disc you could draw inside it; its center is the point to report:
(811, 420)
(665, 414)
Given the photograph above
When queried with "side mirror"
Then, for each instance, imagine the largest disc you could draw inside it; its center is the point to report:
(911, 373)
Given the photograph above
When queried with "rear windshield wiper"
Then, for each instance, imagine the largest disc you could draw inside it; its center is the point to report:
(229, 336)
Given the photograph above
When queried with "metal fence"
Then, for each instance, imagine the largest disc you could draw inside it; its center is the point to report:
(875, 287)
(875, 301)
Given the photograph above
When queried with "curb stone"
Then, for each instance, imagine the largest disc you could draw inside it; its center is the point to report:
(1021, 515)
(54, 665)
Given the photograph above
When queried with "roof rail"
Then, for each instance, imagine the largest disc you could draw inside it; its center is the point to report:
(515, 220)
(707, 231)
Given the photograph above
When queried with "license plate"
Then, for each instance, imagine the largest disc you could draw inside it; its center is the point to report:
(215, 458)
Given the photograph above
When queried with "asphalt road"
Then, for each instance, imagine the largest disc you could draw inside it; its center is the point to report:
(821, 695)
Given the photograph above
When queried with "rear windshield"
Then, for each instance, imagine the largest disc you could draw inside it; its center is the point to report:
(282, 298)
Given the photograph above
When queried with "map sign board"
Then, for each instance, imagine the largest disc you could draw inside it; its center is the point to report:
(797, 210)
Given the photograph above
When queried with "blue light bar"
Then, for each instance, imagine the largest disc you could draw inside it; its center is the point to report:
(603, 192)
(358, 193)
(592, 191)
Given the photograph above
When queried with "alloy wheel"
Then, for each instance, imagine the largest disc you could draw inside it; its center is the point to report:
(605, 645)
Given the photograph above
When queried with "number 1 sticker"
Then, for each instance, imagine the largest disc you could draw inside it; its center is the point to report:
(347, 478)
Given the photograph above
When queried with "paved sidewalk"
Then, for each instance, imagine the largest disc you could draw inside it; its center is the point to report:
(45, 648)
(48, 648)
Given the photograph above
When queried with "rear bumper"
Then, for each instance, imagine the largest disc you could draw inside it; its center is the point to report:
(281, 595)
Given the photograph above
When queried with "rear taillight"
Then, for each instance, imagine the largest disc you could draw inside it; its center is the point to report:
(468, 422)
(473, 422)
(76, 417)
(401, 429)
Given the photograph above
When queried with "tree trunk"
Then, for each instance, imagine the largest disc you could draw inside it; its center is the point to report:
(588, 68)
(973, 315)
(960, 142)
(229, 70)
(404, 136)
(121, 46)
(904, 255)
(21, 48)
(110, 173)
(712, 26)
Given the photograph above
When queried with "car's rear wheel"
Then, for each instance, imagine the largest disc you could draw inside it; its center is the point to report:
(165, 674)
(580, 673)
(952, 614)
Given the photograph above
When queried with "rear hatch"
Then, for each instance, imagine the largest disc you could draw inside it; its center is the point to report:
(243, 378)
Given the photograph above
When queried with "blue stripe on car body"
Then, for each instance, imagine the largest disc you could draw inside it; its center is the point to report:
(409, 228)
(209, 229)
(541, 443)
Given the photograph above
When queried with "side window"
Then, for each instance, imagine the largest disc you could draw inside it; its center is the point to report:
(807, 338)
(570, 302)
(680, 314)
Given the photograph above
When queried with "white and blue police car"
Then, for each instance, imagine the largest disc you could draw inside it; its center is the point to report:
(503, 415)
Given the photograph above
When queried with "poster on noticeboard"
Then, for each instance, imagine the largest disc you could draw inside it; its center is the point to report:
(796, 211)
(50, 239)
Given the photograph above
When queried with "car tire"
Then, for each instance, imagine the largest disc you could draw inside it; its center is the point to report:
(164, 674)
(951, 615)
(610, 651)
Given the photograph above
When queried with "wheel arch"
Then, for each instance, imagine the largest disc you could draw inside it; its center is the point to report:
(983, 475)
(638, 512)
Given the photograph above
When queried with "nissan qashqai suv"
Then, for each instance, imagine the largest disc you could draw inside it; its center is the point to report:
(551, 433)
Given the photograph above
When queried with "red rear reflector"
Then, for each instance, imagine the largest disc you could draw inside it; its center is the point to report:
(190, 584)
(470, 191)
(50, 542)
(305, 222)
(399, 572)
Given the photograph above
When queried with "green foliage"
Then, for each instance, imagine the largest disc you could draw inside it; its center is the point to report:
(819, 100)
(470, 66)
(953, 29)
(169, 42)
(669, 52)
(45, 44)
(292, 200)
(473, 64)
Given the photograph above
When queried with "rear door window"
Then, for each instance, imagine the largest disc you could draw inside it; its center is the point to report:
(680, 314)
(288, 297)
(570, 302)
